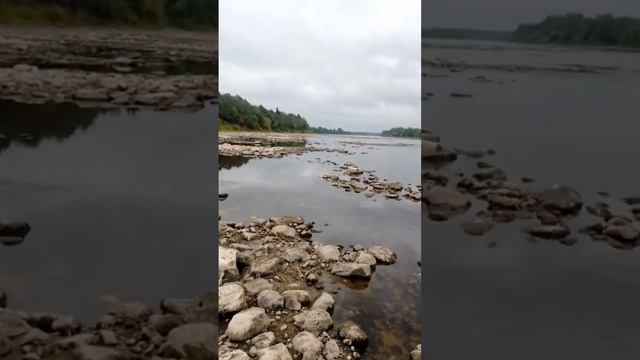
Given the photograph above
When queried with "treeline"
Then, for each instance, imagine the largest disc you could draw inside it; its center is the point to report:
(403, 132)
(236, 112)
(323, 130)
(178, 13)
(578, 29)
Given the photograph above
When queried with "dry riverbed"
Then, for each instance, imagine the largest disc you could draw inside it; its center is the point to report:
(163, 69)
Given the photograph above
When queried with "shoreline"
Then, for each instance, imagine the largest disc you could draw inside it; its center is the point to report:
(159, 69)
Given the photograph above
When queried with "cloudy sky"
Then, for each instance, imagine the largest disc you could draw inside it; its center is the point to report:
(353, 64)
(507, 14)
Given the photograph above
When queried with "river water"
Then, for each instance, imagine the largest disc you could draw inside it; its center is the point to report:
(387, 308)
(120, 204)
(523, 299)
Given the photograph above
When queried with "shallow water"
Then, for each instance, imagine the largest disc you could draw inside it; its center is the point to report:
(388, 308)
(531, 300)
(119, 204)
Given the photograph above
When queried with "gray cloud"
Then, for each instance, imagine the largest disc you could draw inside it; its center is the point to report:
(349, 64)
(507, 14)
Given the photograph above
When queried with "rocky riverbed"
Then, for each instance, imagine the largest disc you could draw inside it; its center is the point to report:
(365, 181)
(181, 329)
(164, 69)
(546, 211)
(275, 297)
(267, 145)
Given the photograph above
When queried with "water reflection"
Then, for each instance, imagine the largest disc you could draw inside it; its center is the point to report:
(29, 125)
(230, 162)
(119, 203)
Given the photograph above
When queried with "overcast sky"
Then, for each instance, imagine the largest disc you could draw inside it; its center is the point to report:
(352, 64)
(508, 14)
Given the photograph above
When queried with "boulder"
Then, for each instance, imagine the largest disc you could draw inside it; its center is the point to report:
(231, 298)
(247, 324)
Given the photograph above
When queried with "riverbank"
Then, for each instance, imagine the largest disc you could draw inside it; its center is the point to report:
(307, 269)
(161, 69)
(272, 294)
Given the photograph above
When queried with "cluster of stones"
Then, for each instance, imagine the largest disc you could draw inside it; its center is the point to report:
(258, 151)
(13, 233)
(109, 68)
(29, 84)
(272, 303)
(184, 329)
(365, 181)
(506, 201)
(267, 145)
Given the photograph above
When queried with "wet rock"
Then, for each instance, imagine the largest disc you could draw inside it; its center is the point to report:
(295, 299)
(325, 302)
(548, 231)
(247, 324)
(444, 203)
(284, 231)
(267, 267)
(332, 350)
(14, 229)
(195, 341)
(5, 345)
(351, 270)
(434, 152)
(383, 254)
(622, 232)
(631, 200)
(11, 324)
(255, 286)
(307, 344)
(275, 352)
(164, 323)
(560, 199)
(314, 321)
(231, 298)
(351, 331)
(264, 340)
(328, 253)
(477, 226)
(270, 300)
(227, 267)
(364, 257)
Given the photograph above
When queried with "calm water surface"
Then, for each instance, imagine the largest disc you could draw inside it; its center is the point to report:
(119, 204)
(526, 300)
(388, 308)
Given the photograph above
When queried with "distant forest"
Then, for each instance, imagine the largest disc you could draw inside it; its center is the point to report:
(403, 132)
(237, 113)
(573, 29)
(579, 29)
(322, 130)
(175, 13)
